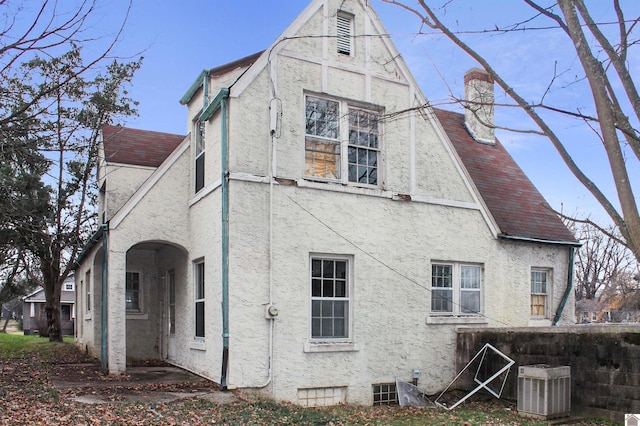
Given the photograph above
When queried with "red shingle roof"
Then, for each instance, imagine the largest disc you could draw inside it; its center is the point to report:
(515, 203)
(138, 147)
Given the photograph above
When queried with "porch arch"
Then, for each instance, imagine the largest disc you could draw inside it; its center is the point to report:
(149, 266)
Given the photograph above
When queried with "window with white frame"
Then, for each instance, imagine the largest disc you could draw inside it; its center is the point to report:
(456, 289)
(132, 292)
(68, 286)
(199, 299)
(344, 31)
(539, 292)
(87, 280)
(344, 149)
(199, 131)
(330, 297)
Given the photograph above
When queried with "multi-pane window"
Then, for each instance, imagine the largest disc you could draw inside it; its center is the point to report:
(539, 293)
(469, 289)
(363, 146)
(344, 31)
(199, 130)
(329, 298)
(385, 394)
(456, 289)
(322, 144)
(199, 300)
(132, 295)
(345, 149)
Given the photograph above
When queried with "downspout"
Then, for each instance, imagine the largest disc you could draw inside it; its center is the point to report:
(567, 291)
(225, 238)
(105, 265)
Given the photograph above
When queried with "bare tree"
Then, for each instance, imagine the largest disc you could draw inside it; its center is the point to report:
(616, 103)
(603, 264)
(54, 97)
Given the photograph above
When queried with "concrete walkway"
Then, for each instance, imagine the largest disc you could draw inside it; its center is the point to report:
(153, 384)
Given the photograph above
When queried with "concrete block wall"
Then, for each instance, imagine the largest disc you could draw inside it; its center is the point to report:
(604, 361)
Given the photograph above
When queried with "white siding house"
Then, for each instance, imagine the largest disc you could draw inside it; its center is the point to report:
(320, 231)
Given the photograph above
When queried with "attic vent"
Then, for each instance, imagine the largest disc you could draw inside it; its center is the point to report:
(345, 30)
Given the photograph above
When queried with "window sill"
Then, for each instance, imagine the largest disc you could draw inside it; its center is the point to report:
(197, 345)
(456, 320)
(137, 316)
(87, 317)
(322, 347)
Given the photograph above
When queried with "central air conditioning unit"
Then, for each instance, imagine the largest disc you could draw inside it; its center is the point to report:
(544, 392)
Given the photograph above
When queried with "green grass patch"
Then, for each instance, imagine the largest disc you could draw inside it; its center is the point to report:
(14, 346)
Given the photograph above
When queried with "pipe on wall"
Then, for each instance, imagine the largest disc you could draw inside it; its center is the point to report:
(568, 289)
(225, 240)
(105, 275)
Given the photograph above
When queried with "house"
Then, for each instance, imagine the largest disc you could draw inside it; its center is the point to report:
(321, 231)
(34, 317)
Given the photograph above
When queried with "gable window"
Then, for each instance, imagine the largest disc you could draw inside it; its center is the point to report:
(363, 146)
(322, 146)
(68, 286)
(330, 297)
(199, 300)
(199, 130)
(87, 280)
(456, 289)
(132, 295)
(344, 31)
(329, 135)
(539, 295)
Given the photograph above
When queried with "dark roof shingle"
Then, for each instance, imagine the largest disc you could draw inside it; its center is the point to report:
(138, 147)
(515, 203)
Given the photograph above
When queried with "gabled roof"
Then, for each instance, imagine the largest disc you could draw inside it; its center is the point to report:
(519, 210)
(138, 147)
(217, 72)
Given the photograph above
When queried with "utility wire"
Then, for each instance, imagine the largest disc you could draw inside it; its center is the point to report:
(373, 257)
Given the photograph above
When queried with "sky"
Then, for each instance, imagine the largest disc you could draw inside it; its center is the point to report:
(180, 39)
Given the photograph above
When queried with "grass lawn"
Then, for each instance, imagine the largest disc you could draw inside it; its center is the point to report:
(26, 364)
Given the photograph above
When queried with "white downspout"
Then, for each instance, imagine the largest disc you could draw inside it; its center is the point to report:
(275, 109)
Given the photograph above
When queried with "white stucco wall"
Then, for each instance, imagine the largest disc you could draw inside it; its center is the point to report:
(390, 244)
(391, 248)
(122, 181)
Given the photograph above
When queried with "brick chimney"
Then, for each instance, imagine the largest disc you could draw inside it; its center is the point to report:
(478, 113)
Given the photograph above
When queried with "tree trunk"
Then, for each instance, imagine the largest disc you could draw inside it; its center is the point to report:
(53, 322)
(6, 321)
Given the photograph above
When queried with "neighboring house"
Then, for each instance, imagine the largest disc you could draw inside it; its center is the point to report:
(34, 316)
(321, 231)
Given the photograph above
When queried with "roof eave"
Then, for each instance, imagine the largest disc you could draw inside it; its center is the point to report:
(540, 240)
(95, 238)
(197, 84)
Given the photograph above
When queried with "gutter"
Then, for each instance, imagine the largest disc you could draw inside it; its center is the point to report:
(104, 314)
(221, 102)
(95, 238)
(567, 290)
(225, 239)
(539, 240)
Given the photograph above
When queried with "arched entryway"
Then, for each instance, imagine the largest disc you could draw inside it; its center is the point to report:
(153, 277)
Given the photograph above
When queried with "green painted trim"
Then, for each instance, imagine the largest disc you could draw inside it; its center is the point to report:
(215, 105)
(104, 345)
(222, 99)
(194, 88)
